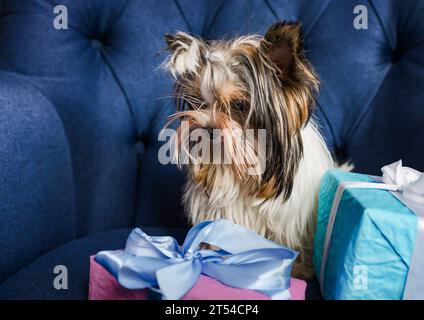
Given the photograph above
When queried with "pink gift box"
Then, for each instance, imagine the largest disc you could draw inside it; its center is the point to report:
(103, 286)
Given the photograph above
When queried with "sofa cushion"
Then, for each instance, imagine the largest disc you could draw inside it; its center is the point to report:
(36, 186)
(71, 68)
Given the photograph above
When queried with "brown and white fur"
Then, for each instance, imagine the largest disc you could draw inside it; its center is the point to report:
(260, 83)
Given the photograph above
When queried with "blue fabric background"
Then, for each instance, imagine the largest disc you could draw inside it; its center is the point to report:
(81, 108)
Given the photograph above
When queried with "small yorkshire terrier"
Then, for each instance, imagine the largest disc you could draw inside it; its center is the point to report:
(253, 82)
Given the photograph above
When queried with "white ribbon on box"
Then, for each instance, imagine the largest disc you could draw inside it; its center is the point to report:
(407, 185)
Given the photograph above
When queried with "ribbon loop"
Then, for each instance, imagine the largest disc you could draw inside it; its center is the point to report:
(410, 182)
(244, 260)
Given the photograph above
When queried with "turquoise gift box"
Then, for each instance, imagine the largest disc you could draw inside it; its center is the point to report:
(371, 242)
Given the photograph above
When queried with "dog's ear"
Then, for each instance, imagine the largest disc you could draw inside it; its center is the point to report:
(283, 44)
(185, 53)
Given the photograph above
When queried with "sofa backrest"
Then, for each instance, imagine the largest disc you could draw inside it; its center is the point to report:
(101, 76)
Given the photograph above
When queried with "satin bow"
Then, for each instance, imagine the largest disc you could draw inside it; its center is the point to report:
(243, 260)
(408, 181)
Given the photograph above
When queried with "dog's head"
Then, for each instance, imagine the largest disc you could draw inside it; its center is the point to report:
(229, 87)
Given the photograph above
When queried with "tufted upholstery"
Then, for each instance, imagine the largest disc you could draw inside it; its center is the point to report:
(81, 108)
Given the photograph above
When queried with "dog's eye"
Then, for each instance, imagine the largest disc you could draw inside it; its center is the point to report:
(239, 105)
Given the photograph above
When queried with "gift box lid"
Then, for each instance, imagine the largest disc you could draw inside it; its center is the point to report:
(104, 286)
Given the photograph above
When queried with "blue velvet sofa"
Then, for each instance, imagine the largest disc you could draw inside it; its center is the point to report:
(81, 109)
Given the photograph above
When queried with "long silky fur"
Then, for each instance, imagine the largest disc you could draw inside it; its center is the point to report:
(238, 85)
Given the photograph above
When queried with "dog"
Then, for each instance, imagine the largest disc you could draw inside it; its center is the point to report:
(261, 83)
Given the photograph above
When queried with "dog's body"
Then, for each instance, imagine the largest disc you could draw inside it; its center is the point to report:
(259, 83)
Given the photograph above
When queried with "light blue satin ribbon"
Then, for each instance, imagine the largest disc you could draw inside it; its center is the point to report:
(245, 260)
